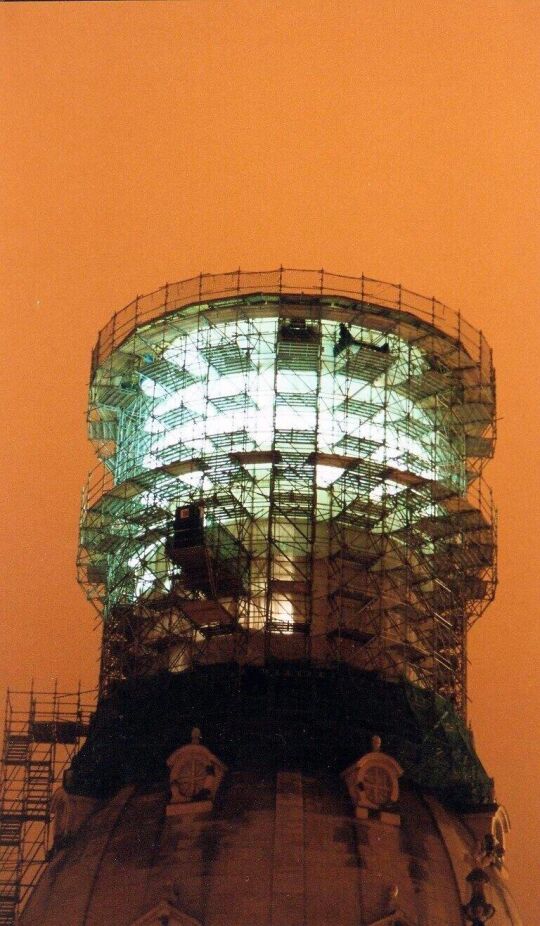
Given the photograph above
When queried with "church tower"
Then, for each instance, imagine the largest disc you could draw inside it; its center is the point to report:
(288, 537)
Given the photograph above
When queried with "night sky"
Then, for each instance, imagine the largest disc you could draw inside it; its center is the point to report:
(144, 142)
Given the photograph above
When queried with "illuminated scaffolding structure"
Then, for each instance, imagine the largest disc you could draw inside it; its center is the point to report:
(290, 468)
(42, 733)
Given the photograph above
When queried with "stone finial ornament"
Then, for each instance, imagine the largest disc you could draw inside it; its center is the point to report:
(195, 776)
(478, 911)
(373, 784)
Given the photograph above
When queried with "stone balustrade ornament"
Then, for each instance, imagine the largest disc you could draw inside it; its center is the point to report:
(195, 776)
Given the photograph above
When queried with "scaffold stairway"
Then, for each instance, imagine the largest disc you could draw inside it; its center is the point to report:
(10, 830)
(8, 907)
(42, 733)
(17, 748)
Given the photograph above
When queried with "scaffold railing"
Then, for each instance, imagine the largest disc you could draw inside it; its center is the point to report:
(174, 296)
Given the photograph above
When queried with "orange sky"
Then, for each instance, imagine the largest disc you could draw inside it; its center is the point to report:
(143, 142)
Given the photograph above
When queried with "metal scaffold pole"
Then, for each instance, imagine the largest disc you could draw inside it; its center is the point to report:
(42, 733)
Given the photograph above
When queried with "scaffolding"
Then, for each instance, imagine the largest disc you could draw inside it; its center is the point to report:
(331, 432)
(42, 733)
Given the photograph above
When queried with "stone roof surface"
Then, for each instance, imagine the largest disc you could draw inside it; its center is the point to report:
(276, 850)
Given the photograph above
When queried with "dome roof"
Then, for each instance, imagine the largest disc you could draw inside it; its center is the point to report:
(279, 849)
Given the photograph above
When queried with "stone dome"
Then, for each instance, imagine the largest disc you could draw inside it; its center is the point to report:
(276, 849)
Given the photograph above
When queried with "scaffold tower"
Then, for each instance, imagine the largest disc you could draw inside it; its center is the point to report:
(42, 733)
(287, 538)
(290, 468)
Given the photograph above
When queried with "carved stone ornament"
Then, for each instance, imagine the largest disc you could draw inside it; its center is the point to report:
(373, 784)
(490, 827)
(165, 914)
(500, 825)
(195, 776)
(68, 812)
(489, 852)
